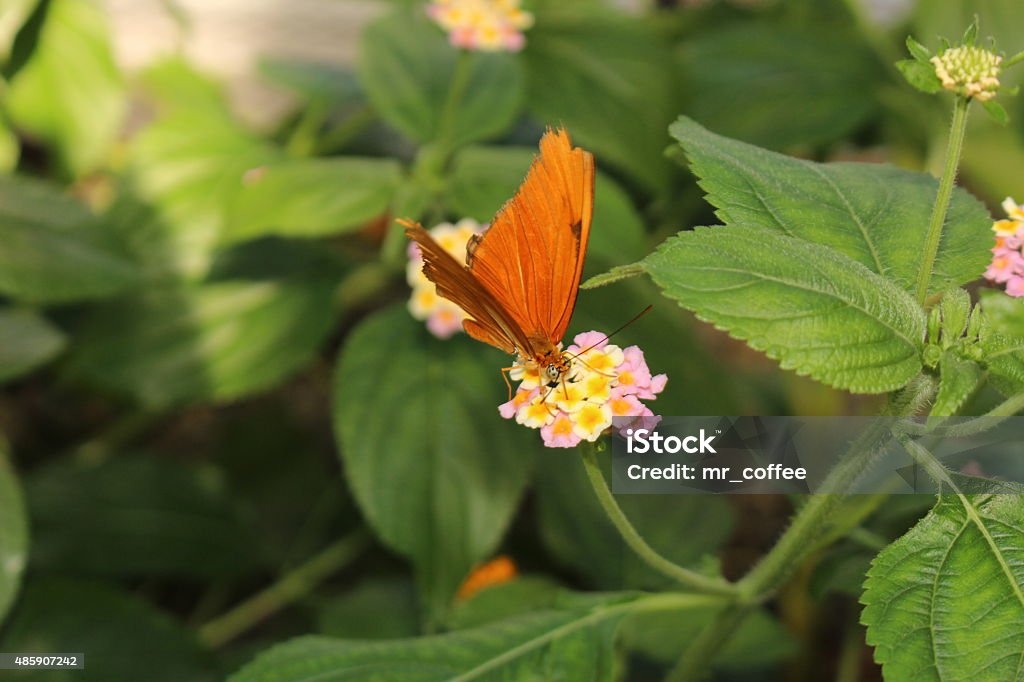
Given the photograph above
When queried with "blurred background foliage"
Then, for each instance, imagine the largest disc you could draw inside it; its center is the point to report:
(210, 382)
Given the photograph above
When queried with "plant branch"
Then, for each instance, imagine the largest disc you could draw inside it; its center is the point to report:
(941, 207)
(648, 554)
(291, 587)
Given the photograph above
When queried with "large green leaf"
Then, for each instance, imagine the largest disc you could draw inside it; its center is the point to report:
(27, 341)
(875, 214)
(220, 340)
(69, 93)
(808, 306)
(779, 86)
(312, 197)
(13, 14)
(13, 533)
(567, 644)
(407, 67)
(593, 71)
(577, 532)
(50, 249)
(434, 468)
(123, 638)
(946, 601)
(484, 178)
(136, 516)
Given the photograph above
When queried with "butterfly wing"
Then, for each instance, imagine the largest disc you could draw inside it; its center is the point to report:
(531, 257)
(522, 275)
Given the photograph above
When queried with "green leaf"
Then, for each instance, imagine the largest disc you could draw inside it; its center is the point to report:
(874, 214)
(959, 380)
(434, 468)
(211, 342)
(69, 93)
(484, 178)
(810, 307)
(572, 83)
(996, 112)
(955, 309)
(312, 197)
(407, 67)
(13, 533)
(27, 341)
(569, 644)
(920, 76)
(577, 532)
(946, 601)
(524, 594)
(50, 249)
(117, 632)
(13, 14)
(780, 86)
(918, 51)
(134, 516)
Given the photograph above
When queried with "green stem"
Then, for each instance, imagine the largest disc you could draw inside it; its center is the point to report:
(694, 665)
(848, 666)
(648, 554)
(290, 588)
(446, 126)
(336, 138)
(946, 182)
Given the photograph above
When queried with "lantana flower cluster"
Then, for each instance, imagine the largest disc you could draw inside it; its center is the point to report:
(444, 318)
(969, 70)
(604, 381)
(484, 25)
(1007, 265)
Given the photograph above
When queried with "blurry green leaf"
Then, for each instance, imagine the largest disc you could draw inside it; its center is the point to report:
(376, 608)
(524, 594)
(26, 342)
(994, 160)
(13, 14)
(946, 600)
(810, 307)
(312, 80)
(1002, 341)
(123, 638)
(69, 93)
(9, 148)
(173, 85)
(210, 342)
(13, 533)
(842, 570)
(874, 214)
(577, 532)
(312, 197)
(780, 86)
(571, 644)
(50, 249)
(996, 112)
(593, 72)
(918, 51)
(484, 178)
(959, 380)
(759, 642)
(920, 76)
(135, 516)
(190, 166)
(407, 67)
(436, 471)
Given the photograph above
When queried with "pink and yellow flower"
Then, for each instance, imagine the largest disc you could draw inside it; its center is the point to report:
(444, 318)
(603, 382)
(1007, 266)
(483, 25)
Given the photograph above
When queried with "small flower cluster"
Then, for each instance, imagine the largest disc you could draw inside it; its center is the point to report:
(604, 381)
(969, 70)
(484, 25)
(1007, 265)
(444, 318)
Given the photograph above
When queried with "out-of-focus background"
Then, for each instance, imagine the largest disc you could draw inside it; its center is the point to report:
(220, 426)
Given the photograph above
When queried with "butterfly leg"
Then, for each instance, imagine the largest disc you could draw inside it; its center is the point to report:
(504, 375)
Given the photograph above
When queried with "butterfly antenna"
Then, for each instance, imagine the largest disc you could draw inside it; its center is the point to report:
(608, 336)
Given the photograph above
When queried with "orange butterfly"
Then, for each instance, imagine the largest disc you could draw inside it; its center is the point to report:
(522, 276)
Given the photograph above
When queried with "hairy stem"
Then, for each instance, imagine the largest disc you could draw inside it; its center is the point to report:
(648, 554)
(289, 589)
(939, 210)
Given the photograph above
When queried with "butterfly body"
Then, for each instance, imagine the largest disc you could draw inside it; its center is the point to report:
(521, 277)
